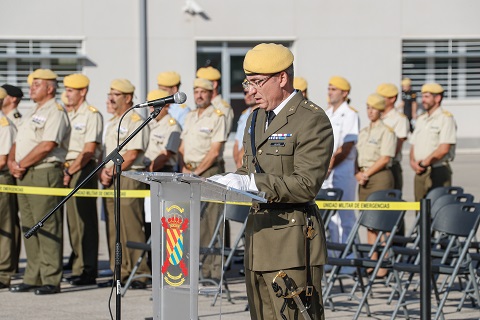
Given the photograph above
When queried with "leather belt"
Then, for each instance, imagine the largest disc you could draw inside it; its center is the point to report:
(440, 164)
(46, 165)
(281, 205)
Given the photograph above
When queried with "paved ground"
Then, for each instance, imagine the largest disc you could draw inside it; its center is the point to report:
(93, 302)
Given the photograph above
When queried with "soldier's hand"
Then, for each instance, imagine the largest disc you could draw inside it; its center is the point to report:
(106, 177)
(66, 180)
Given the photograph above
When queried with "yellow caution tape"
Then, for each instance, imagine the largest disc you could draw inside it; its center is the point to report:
(334, 205)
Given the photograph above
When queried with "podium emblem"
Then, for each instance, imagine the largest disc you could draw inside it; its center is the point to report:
(174, 225)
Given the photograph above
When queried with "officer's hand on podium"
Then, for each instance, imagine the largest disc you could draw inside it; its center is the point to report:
(233, 180)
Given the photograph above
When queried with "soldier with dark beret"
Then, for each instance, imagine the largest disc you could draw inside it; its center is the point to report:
(11, 102)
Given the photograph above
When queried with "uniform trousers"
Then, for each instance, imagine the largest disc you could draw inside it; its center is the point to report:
(397, 171)
(131, 228)
(9, 231)
(265, 305)
(381, 180)
(211, 213)
(432, 178)
(82, 219)
(44, 250)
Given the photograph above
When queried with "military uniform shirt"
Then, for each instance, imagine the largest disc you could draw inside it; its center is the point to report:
(15, 116)
(7, 134)
(200, 132)
(431, 131)
(179, 112)
(87, 126)
(139, 142)
(164, 135)
(222, 105)
(375, 141)
(47, 123)
(400, 125)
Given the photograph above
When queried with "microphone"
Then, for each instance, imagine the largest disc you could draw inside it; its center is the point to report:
(178, 97)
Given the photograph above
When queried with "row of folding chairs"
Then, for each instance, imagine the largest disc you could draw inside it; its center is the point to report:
(455, 258)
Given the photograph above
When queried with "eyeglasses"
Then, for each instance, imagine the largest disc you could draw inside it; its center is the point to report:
(257, 84)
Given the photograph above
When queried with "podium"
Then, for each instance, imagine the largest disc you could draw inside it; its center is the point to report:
(176, 209)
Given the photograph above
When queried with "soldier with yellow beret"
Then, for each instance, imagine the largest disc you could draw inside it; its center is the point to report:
(212, 74)
(433, 143)
(400, 125)
(36, 159)
(170, 82)
(301, 84)
(345, 123)
(132, 217)
(409, 102)
(288, 144)
(201, 150)
(84, 149)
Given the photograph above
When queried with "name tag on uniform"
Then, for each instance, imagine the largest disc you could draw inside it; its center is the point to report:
(79, 126)
(277, 144)
(205, 130)
(39, 120)
(373, 141)
(279, 136)
(122, 130)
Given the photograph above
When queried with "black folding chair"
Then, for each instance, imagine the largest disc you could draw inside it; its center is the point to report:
(330, 194)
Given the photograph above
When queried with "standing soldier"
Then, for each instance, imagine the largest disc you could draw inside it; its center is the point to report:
(409, 102)
(212, 74)
(9, 222)
(83, 151)
(399, 123)
(433, 143)
(132, 216)
(169, 81)
(162, 150)
(203, 139)
(11, 102)
(301, 84)
(36, 159)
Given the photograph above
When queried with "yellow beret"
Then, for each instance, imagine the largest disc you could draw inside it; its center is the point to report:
(122, 85)
(376, 101)
(203, 83)
(406, 82)
(432, 88)
(168, 79)
(156, 94)
(64, 98)
(387, 90)
(209, 73)
(30, 79)
(45, 74)
(340, 82)
(267, 58)
(76, 81)
(300, 83)
(3, 93)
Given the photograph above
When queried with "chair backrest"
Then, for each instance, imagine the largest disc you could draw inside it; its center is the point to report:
(449, 199)
(381, 220)
(330, 194)
(385, 195)
(457, 219)
(237, 213)
(435, 193)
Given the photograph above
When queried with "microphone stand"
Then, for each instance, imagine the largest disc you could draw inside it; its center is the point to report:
(117, 160)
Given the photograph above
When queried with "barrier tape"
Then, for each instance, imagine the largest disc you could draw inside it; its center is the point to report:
(332, 205)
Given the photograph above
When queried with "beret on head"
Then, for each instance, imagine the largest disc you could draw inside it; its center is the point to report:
(387, 90)
(122, 85)
(300, 83)
(432, 88)
(156, 94)
(30, 79)
(168, 79)
(406, 82)
(340, 83)
(44, 74)
(267, 58)
(376, 101)
(13, 91)
(3, 93)
(64, 98)
(76, 81)
(203, 83)
(209, 73)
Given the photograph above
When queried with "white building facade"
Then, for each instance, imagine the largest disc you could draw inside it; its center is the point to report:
(368, 42)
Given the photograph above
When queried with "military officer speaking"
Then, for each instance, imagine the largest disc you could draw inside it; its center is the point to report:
(287, 154)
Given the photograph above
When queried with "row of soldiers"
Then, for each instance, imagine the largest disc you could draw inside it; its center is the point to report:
(54, 147)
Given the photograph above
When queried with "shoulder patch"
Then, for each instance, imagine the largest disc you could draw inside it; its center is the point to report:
(390, 128)
(225, 104)
(59, 107)
(183, 105)
(447, 113)
(310, 106)
(218, 112)
(244, 111)
(92, 109)
(353, 109)
(402, 114)
(4, 122)
(136, 117)
(414, 95)
(172, 122)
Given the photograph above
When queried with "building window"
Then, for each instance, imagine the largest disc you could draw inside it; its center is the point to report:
(18, 58)
(453, 63)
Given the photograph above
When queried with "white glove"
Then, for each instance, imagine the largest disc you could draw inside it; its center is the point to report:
(233, 180)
